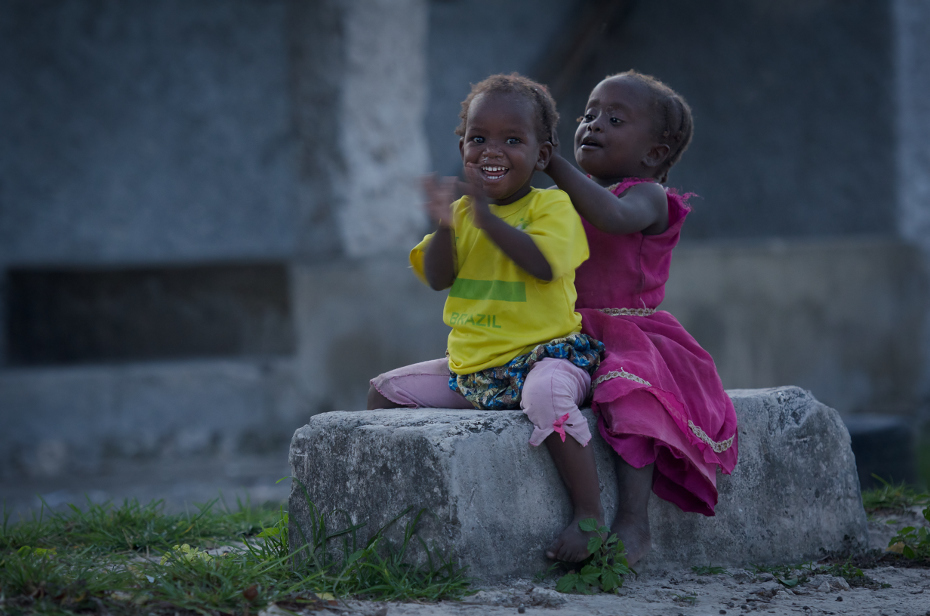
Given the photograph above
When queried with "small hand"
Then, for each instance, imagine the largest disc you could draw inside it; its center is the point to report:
(440, 193)
(474, 188)
(554, 140)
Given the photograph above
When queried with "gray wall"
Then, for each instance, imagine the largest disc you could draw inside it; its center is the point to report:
(145, 132)
(793, 109)
(471, 40)
(794, 102)
(154, 154)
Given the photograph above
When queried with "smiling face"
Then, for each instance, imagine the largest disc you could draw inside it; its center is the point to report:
(616, 136)
(500, 139)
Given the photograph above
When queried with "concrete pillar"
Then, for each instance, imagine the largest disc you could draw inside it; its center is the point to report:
(912, 22)
(912, 61)
(360, 85)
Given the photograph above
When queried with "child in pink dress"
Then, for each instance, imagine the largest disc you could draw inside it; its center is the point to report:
(659, 401)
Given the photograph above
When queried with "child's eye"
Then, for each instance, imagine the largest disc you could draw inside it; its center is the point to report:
(588, 117)
(616, 121)
(513, 141)
(477, 139)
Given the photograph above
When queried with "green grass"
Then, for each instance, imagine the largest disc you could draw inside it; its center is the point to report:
(708, 570)
(133, 558)
(788, 576)
(685, 600)
(892, 497)
(132, 527)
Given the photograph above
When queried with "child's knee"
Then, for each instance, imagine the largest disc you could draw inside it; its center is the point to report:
(376, 400)
(552, 393)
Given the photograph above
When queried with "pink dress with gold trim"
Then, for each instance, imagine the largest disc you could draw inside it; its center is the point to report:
(657, 393)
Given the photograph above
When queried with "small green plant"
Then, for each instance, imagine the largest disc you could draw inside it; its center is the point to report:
(604, 569)
(685, 599)
(892, 497)
(788, 576)
(708, 570)
(914, 542)
(852, 574)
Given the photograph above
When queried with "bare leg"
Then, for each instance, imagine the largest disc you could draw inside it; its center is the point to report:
(578, 469)
(377, 401)
(634, 485)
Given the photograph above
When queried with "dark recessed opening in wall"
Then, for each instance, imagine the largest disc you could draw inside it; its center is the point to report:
(71, 316)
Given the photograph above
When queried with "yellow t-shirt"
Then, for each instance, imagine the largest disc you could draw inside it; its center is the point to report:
(496, 310)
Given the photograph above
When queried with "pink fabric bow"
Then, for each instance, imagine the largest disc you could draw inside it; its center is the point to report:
(557, 426)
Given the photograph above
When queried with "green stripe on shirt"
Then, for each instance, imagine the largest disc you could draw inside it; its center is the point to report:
(502, 290)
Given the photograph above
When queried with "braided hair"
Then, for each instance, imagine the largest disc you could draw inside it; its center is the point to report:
(672, 120)
(547, 118)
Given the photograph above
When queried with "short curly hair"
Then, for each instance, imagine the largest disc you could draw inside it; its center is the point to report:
(672, 120)
(547, 118)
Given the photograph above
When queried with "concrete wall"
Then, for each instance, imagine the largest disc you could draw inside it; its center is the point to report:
(172, 131)
(837, 316)
(495, 37)
(145, 132)
(147, 146)
(141, 137)
(911, 21)
(794, 106)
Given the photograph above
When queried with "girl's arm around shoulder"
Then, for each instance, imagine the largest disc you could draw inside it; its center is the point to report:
(643, 208)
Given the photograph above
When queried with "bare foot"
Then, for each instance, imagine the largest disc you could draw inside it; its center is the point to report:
(578, 470)
(635, 535)
(571, 545)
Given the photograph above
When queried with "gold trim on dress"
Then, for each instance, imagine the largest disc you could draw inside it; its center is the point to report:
(717, 446)
(613, 374)
(628, 312)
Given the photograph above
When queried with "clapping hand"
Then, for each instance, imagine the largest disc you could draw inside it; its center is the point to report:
(474, 188)
(440, 193)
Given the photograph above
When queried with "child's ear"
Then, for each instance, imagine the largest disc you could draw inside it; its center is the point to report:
(656, 155)
(545, 153)
(462, 146)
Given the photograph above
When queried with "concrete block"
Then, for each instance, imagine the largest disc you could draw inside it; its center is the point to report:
(498, 502)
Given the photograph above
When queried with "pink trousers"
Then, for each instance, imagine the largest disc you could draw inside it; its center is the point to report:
(552, 393)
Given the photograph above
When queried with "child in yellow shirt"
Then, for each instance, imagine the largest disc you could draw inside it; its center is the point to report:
(507, 252)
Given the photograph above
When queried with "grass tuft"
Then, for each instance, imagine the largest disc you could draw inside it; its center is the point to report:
(890, 497)
(133, 558)
(708, 570)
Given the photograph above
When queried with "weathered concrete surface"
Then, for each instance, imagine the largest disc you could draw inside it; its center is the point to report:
(498, 501)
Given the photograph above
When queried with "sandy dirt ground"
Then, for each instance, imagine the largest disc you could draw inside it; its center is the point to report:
(896, 591)
(889, 587)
